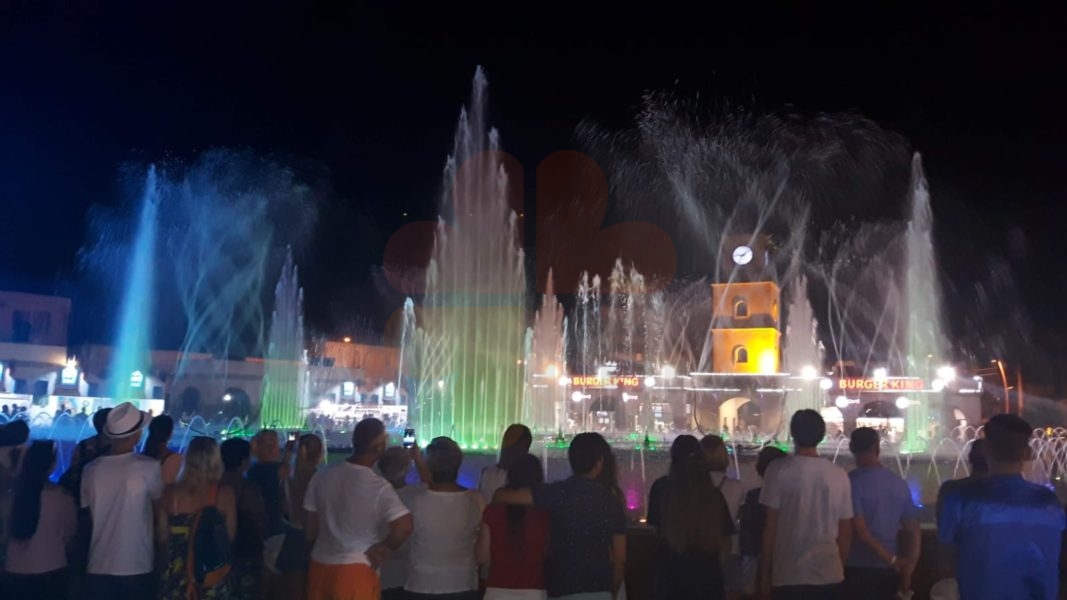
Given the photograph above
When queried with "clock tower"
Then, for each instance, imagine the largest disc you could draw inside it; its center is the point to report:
(745, 314)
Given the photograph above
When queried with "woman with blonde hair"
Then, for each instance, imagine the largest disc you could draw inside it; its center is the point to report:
(197, 489)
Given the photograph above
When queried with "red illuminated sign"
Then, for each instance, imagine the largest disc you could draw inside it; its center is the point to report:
(880, 385)
(594, 381)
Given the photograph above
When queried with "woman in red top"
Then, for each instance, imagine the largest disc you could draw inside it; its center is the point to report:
(513, 540)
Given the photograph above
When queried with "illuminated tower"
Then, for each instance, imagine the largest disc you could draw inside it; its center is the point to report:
(745, 344)
(745, 330)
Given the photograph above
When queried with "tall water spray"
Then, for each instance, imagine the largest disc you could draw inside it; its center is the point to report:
(472, 324)
(285, 380)
(545, 365)
(135, 321)
(926, 346)
(802, 353)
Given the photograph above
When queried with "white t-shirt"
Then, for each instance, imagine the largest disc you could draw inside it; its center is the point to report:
(811, 495)
(118, 491)
(353, 504)
(394, 572)
(443, 543)
(493, 478)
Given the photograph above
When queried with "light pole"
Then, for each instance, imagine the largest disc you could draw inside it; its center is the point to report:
(1004, 380)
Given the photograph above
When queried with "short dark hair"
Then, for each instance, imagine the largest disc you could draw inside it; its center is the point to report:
(682, 448)
(766, 456)
(100, 419)
(1008, 437)
(364, 435)
(863, 440)
(234, 452)
(807, 428)
(525, 472)
(443, 459)
(585, 451)
(979, 464)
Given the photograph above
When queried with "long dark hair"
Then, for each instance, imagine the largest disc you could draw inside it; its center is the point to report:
(694, 511)
(159, 432)
(525, 472)
(26, 510)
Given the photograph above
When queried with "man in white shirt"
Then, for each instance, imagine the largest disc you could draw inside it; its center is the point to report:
(119, 490)
(348, 505)
(808, 529)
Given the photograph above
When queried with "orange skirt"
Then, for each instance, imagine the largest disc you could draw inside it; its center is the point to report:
(343, 582)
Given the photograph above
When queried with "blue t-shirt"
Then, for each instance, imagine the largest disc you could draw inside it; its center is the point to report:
(884, 501)
(1007, 536)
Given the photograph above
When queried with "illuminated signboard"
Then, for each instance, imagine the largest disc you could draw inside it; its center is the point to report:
(348, 389)
(69, 375)
(608, 381)
(864, 384)
(136, 379)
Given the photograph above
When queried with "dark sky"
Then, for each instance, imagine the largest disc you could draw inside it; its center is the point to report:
(367, 97)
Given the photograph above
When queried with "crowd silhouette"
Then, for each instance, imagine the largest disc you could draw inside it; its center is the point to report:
(249, 519)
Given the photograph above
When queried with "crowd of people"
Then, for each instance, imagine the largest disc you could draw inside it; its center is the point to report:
(251, 519)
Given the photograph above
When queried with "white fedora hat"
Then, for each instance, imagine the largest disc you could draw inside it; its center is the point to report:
(125, 420)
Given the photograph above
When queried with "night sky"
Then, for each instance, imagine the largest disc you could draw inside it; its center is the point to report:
(365, 99)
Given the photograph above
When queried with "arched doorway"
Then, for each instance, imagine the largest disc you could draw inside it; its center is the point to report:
(730, 413)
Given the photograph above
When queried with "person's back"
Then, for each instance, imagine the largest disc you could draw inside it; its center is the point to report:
(878, 565)
(352, 502)
(1006, 531)
(266, 473)
(447, 517)
(442, 544)
(811, 494)
(518, 546)
(119, 489)
(38, 520)
(809, 505)
(347, 506)
(585, 520)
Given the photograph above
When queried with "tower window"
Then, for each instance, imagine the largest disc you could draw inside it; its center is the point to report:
(740, 308)
(740, 355)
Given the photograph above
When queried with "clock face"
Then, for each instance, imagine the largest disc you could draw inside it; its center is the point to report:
(742, 255)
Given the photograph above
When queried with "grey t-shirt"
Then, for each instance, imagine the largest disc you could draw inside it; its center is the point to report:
(811, 495)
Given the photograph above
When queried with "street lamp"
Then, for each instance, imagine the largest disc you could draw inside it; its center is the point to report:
(1004, 379)
(809, 372)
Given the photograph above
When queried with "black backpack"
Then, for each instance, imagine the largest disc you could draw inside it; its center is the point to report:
(208, 563)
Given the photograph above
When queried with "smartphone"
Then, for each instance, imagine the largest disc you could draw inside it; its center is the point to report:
(293, 435)
(409, 438)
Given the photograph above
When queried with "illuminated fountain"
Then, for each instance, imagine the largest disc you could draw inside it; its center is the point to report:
(285, 384)
(926, 347)
(132, 345)
(472, 323)
(546, 367)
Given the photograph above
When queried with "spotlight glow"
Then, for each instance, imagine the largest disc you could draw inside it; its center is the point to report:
(650, 382)
(903, 403)
(667, 371)
(841, 402)
(937, 385)
(564, 381)
(881, 374)
(577, 396)
(826, 384)
(946, 373)
(809, 372)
